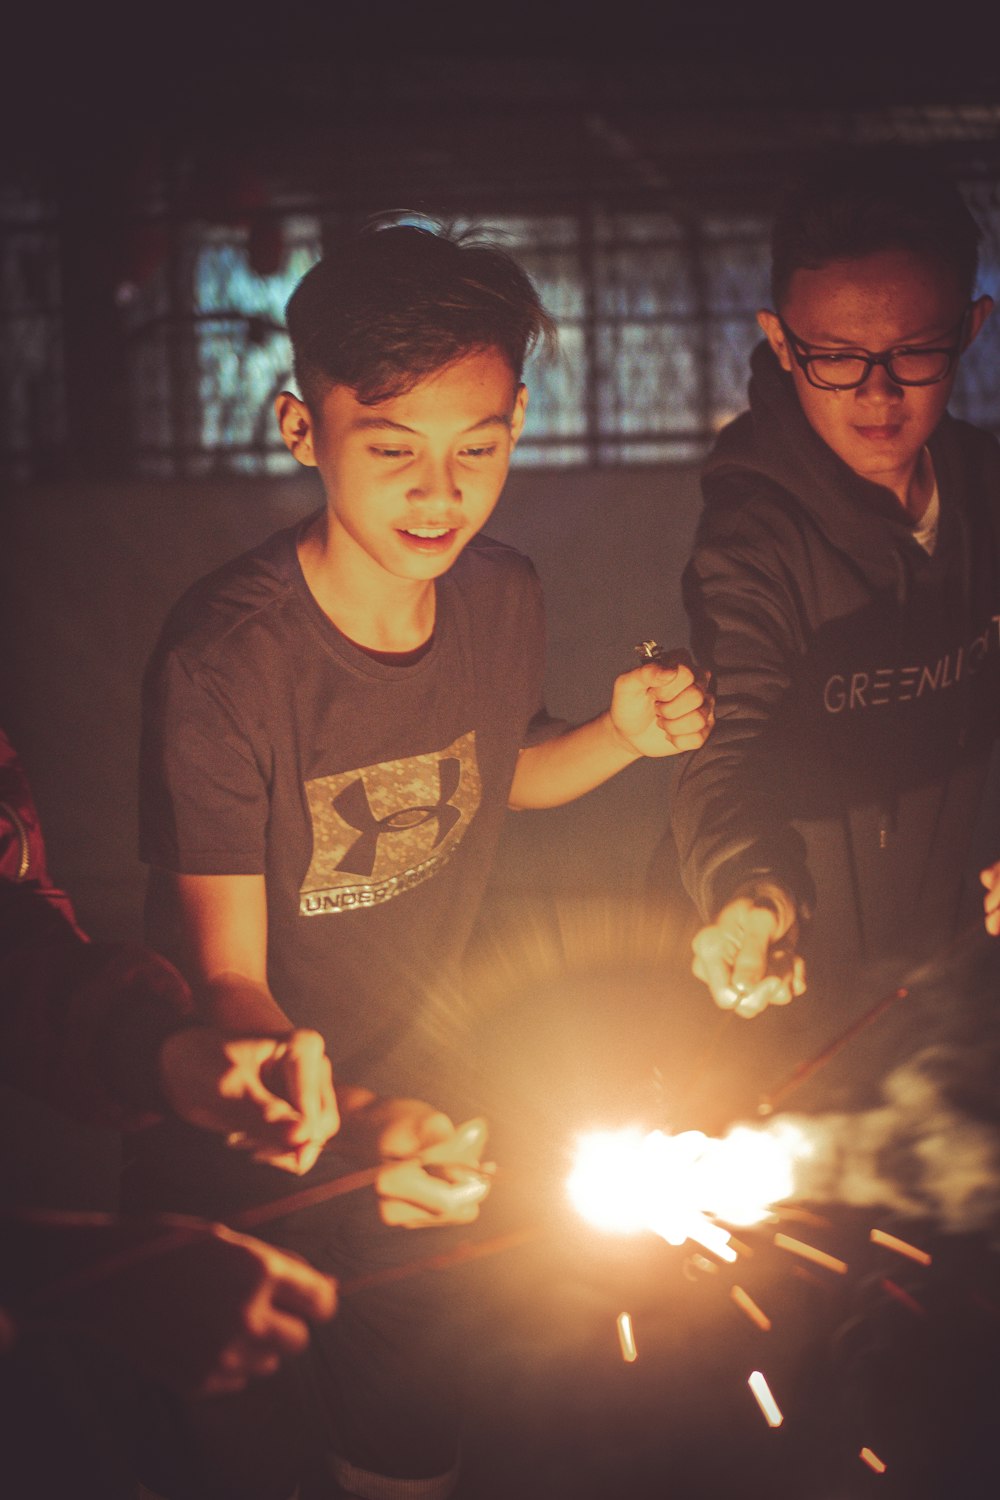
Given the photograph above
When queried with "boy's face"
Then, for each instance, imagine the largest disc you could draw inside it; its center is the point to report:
(880, 302)
(410, 480)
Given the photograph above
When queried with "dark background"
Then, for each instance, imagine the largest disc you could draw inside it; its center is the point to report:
(119, 117)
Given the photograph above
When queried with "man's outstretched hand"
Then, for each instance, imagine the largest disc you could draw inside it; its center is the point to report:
(747, 956)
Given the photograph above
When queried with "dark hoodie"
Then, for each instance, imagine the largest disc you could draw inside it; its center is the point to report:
(857, 682)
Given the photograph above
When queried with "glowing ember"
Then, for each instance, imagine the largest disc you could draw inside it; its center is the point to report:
(872, 1460)
(810, 1252)
(746, 1304)
(626, 1338)
(901, 1247)
(764, 1399)
(679, 1186)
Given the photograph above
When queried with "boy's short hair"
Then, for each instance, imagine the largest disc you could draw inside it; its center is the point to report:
(856, 204)
(394, 303)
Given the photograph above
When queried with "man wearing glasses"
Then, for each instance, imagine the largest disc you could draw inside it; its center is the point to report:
(845, 589)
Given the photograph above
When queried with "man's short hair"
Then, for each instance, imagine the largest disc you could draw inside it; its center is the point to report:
(394, 303)
(856, 204)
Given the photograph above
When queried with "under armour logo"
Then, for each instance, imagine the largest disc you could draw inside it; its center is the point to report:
(353, 807)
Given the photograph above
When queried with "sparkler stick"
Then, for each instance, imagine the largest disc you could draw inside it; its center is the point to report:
(879, 1237)
(446, 1258)
(108, 1265)
(762, 1394)
(966, 938)
(810, 1252)
(276, 1208)
(251, 1218)
(626, 1338)
(745, 1302)
(813, 1064)
(872, 1460)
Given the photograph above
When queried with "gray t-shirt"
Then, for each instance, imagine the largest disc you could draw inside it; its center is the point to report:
(369, 794)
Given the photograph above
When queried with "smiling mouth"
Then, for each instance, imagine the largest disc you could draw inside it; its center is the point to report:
(880, 434)
(427, 533)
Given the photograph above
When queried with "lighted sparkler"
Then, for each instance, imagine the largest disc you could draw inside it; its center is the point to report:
(681, 1187)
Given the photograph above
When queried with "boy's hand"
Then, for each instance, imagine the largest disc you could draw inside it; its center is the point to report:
(747, 955)
(193, 1304)
(435, 1182)
(660, 709)
(271, 1096)
(990, 878)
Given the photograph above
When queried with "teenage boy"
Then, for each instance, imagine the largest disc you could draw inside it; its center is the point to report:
(845, 589)
(334, 727)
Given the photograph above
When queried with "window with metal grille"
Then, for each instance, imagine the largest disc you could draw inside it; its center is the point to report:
(656, 317)
(655, 313)
(32, 393)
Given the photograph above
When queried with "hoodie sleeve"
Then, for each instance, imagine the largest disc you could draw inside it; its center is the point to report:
(745, 627)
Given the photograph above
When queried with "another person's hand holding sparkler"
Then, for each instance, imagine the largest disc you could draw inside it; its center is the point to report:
(433, 1174)
(990, 878)
(747, 956)
(243, 1087)
(192, 1304)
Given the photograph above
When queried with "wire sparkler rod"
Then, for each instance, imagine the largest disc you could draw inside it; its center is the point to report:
(812, 1065)
(967, 937)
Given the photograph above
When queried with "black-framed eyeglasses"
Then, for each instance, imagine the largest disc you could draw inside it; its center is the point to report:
(846, 369)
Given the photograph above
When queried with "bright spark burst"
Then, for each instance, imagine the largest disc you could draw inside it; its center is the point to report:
(680, 1186)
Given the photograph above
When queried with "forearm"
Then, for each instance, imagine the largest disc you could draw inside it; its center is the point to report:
(730, 802)
(573, 763)
(732, 837)
(235, 1003)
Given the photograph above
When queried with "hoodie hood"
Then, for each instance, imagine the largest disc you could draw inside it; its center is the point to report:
(774, 441)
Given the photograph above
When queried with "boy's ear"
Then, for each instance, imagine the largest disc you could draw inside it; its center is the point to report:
(774, 333)
(295, 424)
(979, 312)
(772, 330)
(520, 407)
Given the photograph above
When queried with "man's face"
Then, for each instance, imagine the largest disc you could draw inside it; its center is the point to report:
(880, 302)
(411, 480)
